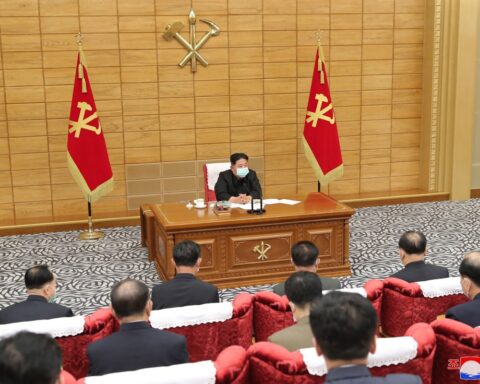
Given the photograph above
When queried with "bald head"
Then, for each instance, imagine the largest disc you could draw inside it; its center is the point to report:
(413, 243)
(470, 267)
(129, 298)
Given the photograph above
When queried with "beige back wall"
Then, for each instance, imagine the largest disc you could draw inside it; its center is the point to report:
(162, 122)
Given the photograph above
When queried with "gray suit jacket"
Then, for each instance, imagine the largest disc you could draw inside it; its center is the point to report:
(359, 374)
(327, 284)
(294, 337)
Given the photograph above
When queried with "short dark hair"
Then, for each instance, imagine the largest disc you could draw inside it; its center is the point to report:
(470, 267)
(129, 297)
(304, 254)
(36, 277)
(303, 288)
(234, 157)
(344, 325)
(413, 242)
(186, 253)
(29, 358)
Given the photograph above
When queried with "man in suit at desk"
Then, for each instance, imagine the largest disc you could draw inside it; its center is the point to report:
(41, 288)
(136, 345)
(469, 313)
(184, 289)
(344, 326)
(239, 184)
(305, 258)
(413, 249)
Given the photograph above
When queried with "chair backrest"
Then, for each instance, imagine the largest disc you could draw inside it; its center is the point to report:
(98, 325)
(272, 312)
(73, 334)
(413, 354)
(454, 340)
(210, 176)
(406, 303)
(208, 328)
(231, 367)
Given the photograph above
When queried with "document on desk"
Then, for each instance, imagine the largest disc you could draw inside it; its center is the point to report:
(265, 202)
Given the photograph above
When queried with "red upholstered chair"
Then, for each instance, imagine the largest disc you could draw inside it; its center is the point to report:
(272, 312)
(404, 304)
(210, 176)
(74, 348)
(454, 340)
(206, 341)
(270, 363)
(230, 367)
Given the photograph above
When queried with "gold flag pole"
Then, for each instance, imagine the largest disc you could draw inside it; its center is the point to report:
(321, 60)
(89, 234)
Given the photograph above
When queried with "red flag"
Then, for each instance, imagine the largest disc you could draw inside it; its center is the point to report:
(320, 135)
(87, 154)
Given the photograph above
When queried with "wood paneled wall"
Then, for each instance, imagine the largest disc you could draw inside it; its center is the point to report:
(161, 122)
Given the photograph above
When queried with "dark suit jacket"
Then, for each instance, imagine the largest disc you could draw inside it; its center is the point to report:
(229, 185)
(468, 313)
(135, 346)
(34, 308)
(359, 374)
(327, 284)
(184, 289)
(297, 336)
(421, 271)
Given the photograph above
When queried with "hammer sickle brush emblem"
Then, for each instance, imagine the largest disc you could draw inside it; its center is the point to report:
(172, 31)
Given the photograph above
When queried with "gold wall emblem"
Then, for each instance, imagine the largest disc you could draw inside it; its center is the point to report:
(172, 31)
(262, 250)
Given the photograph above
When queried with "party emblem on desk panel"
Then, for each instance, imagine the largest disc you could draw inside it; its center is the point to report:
(172, 31)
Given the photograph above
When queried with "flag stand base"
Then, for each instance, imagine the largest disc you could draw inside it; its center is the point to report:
(91, 235)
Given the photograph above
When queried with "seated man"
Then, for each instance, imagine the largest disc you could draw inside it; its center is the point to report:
(30, 358)
(469, 313)
(239, 184)
(41, 287)
(136, 345)
(305, 258)
(301, 288)
(344, 326)
(413, 248)
(184, 289)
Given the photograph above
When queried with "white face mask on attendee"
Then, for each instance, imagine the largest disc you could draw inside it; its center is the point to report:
(242, 172)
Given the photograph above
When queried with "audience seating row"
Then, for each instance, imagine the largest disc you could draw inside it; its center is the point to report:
(424, 350)
(398, 304)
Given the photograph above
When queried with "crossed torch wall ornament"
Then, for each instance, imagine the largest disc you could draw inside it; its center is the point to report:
(172, 31)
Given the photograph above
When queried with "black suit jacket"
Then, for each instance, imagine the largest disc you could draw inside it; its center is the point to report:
(468, 313)
(359, 374)
(135, 346)
(328, 284)
(421, 271)
(229, 185)
(184, 289)
(34, 308)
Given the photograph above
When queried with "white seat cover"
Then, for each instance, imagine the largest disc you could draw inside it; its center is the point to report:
(59, 327)
(202, 372)
(441, 287)
(390, 351)
(213, 170)
(191, 315)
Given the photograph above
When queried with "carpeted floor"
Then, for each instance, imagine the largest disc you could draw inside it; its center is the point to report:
(86, 270)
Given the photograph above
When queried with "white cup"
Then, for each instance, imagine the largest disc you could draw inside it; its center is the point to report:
(199, 202)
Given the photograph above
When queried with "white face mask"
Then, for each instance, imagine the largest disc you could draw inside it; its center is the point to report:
(242, 172)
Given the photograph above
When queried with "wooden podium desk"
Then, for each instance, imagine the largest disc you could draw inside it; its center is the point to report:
(242, 249)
